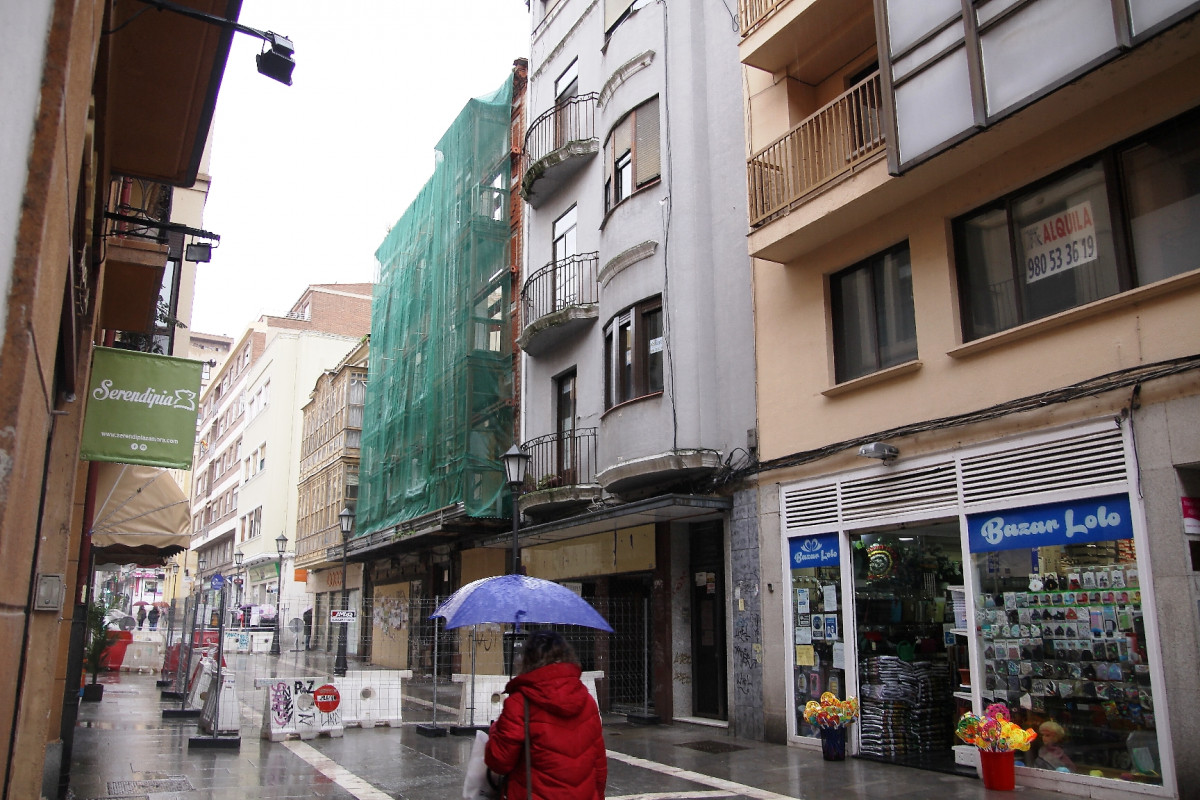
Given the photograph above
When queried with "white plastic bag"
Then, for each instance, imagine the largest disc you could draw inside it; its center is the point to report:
(476, 785)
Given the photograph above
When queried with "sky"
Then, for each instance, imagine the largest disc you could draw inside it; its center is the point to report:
(307, 178)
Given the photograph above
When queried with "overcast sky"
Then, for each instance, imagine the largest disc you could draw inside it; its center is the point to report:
(306, 179)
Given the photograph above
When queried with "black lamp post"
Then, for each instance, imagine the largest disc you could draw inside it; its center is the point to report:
(280, 546)
(238, 557)
(514, 471)
(346, 520)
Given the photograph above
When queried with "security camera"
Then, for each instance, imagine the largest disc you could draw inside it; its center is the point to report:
(884, 452)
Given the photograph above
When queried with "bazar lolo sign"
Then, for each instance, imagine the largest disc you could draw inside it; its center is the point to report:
(141, 409)
(1076, 522)
(814, 551)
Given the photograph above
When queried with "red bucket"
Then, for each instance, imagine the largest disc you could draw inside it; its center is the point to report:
(997, 770)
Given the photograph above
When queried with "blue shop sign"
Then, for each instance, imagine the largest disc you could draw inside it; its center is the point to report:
(814, 551)
(1097, 519)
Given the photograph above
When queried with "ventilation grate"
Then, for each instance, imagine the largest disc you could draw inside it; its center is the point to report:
(918, 490)
(1088, 460)
(711, 746)
(813, 505)
(177, 783)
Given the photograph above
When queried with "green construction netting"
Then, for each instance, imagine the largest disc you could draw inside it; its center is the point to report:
(438, 409)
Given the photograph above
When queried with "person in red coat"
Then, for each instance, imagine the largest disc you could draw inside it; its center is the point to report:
(565, 734)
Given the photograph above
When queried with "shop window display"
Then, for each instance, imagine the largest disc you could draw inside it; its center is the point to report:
(817, 620)
(909, 656)
(1062, 638)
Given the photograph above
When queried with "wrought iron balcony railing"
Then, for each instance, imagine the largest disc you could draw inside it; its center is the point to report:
(561, 284)
(571, 120)
(830, 142)
(561, 459)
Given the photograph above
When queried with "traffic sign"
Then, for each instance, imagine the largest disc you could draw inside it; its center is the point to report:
(218, 581)
(327, 698)
(336, 615)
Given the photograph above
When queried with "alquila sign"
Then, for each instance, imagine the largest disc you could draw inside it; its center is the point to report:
(141, 409)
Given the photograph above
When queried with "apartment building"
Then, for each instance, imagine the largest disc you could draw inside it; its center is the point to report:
(247, 466)
(638, 353)
(329, 460)
(98, 117)
(976, 289)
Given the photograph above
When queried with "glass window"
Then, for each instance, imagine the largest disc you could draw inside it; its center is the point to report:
(874, 325)
(816, 593)
(1062, 640)
(633, 348)
(631, 154)
(1062, 244)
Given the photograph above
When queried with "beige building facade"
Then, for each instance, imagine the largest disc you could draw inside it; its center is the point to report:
(993, 271)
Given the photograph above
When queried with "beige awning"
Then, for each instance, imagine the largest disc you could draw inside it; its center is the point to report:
(142, 515)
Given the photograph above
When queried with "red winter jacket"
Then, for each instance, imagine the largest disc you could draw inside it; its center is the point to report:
(569, 761)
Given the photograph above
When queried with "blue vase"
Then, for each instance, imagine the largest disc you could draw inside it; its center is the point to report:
(833, 744)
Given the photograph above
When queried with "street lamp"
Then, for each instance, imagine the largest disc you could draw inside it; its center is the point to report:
(514, 470)
(238, 557)
(280, 546)
(346, 520)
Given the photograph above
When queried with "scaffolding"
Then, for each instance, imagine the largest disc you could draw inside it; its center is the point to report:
(438, 411)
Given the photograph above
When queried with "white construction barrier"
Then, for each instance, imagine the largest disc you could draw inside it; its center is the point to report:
(144, 653)
(201, 677)
(372, 697)
(489, 695)
(306, 707)
(247, 641)
(229, 708)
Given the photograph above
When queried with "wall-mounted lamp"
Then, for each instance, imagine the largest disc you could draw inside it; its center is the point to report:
(199, 252)
(276, 62)
(884, 452)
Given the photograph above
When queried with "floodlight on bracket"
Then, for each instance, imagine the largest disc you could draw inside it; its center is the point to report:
(275, 60)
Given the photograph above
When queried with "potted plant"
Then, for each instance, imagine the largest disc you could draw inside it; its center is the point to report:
(831, 716)
(95, 642)
(997, 737)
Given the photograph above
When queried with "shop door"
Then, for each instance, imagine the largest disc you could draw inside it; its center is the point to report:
(708, 620)
(908, 668)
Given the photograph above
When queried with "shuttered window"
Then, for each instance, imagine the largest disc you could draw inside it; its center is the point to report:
(613, 11)
(632, 153)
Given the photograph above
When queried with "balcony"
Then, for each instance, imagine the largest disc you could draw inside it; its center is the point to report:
(557, 145)
(832, 142)
(558, 300)
(808, 39)
(561, 472)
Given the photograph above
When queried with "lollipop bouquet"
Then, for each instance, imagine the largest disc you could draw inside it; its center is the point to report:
(994, 732)
(831, 716)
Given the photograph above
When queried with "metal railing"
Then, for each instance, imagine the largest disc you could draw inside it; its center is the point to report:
(561, 284)
(819, 149)
(562, 459)
(752, 12)
(570, 120)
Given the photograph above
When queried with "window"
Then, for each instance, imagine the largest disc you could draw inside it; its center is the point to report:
(614, 12)
(565, 414)
(566, 266)
(631, 154)
(633, 352)
(874, 325)
(1125, 218)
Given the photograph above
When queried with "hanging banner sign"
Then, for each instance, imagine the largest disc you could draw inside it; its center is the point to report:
(1098, 519)
(141, 409)
(814, 551)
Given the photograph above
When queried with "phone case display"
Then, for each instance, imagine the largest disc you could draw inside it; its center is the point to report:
(906, 707)
(1068, 655)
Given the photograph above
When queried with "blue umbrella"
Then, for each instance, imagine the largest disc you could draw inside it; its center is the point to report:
(517, 599)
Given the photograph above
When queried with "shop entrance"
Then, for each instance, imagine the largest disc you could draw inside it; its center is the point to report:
(909, 656)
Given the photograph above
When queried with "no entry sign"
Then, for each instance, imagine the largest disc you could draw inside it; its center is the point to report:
(327, 698)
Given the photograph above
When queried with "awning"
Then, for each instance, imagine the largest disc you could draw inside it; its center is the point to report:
(142, 515)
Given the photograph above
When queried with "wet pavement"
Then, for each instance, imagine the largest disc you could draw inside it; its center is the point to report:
(125, 749)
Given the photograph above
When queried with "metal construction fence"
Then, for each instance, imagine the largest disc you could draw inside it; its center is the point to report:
(446, 664)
